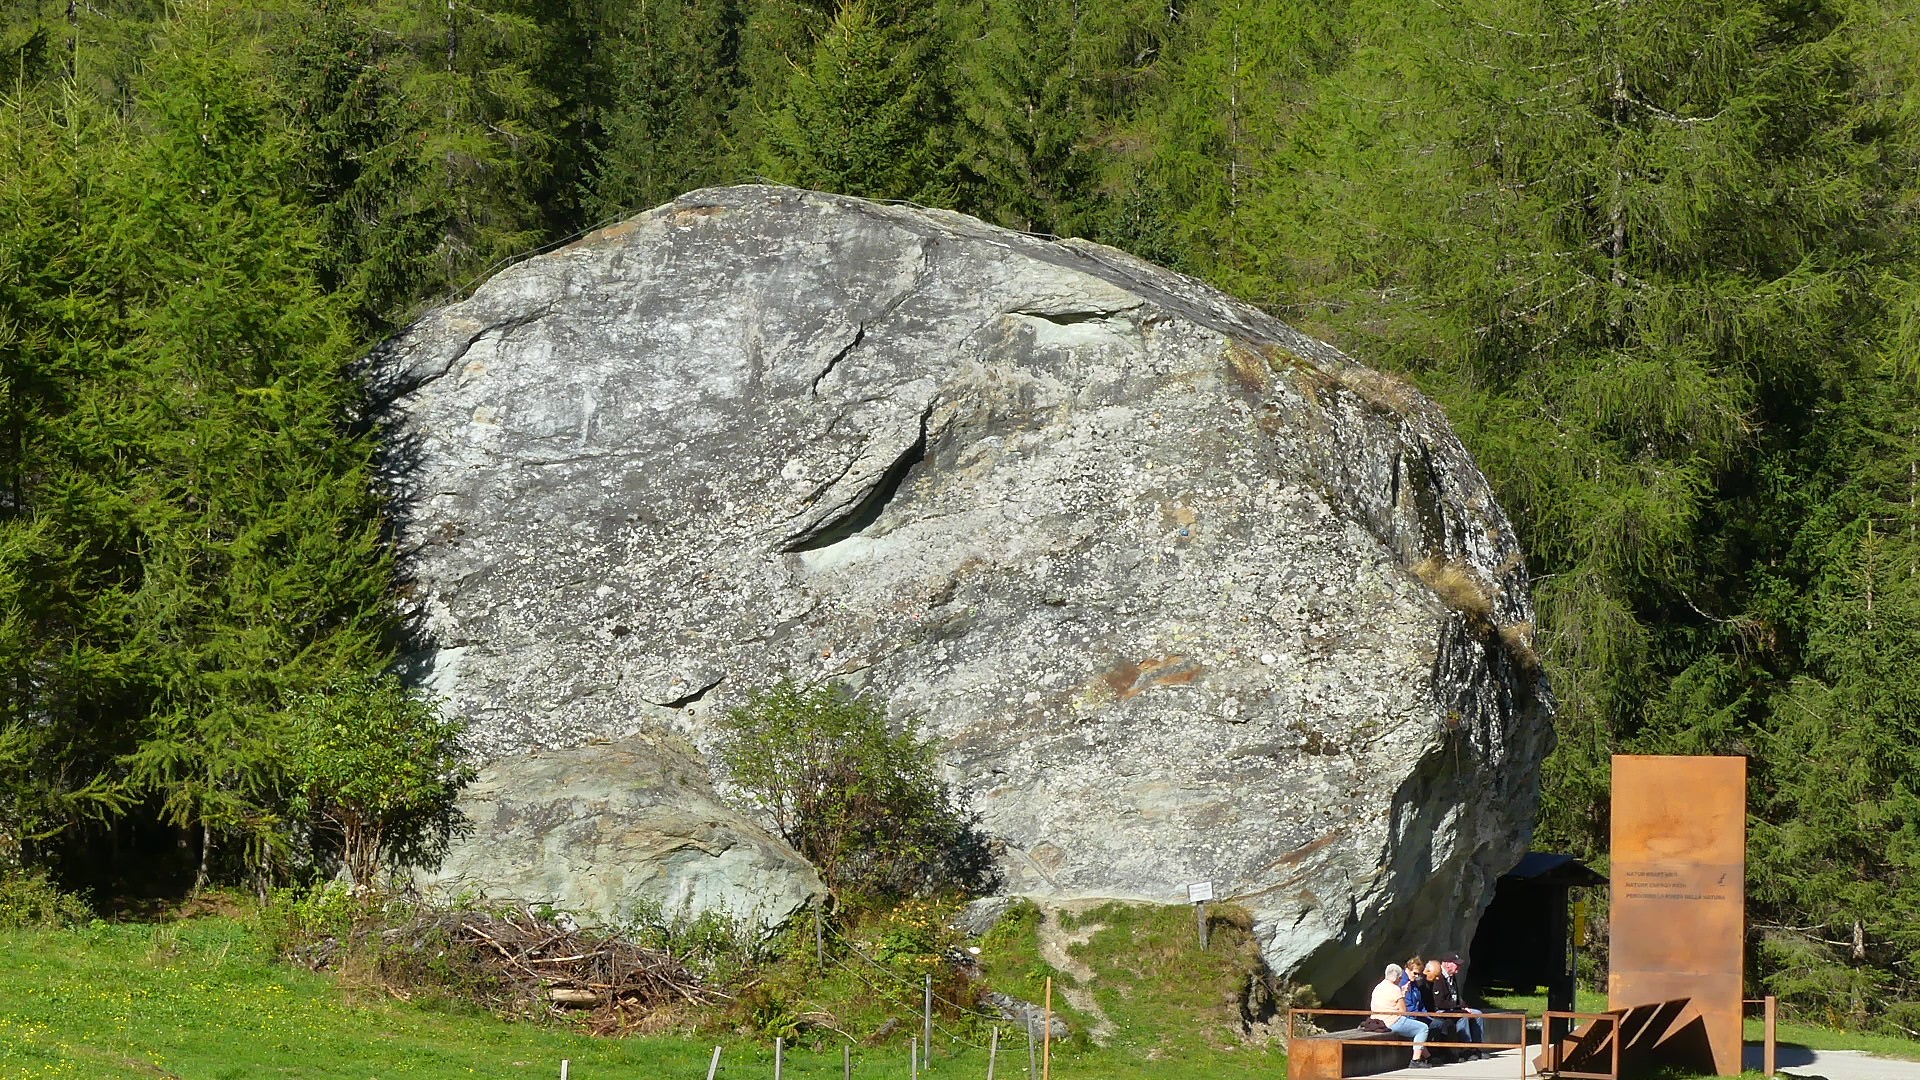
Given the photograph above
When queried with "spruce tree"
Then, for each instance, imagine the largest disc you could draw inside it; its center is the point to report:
(1628, 247)
(854, 118)
(68, 668)
(262, 575)
(673, 80)
(1025, 134)
(1234, 78)
(426, 142)
(189, 532)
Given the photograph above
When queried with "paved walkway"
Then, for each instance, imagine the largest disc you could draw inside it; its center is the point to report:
(1792, 1061)
(1836, 1064)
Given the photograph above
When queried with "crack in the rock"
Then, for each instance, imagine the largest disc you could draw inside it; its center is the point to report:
(821, 489)
(859, 335)
(920, 274)
(689, 698)
(867, 510)
(407, 386)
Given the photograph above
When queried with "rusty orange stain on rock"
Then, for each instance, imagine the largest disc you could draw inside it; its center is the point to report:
(1307, 848)
(612, 232)
(688, 215)
(1128, 678)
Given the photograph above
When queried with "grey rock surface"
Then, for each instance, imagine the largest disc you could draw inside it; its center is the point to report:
(622, 832)
(1033, 1019)
(982, 915)
(1182, 593)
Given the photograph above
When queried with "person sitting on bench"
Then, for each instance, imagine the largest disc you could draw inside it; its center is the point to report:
(1446, 998)
(1389, 1008)
(1443, 998)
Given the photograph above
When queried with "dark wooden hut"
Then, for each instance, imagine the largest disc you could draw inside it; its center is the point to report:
(1525, 938)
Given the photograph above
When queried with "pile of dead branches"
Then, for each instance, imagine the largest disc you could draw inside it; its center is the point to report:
(520, 963)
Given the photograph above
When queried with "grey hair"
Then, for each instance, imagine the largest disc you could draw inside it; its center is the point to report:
(1394, 971)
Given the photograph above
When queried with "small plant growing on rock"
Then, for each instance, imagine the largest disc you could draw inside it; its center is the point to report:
(858, 799)
(1457, 586)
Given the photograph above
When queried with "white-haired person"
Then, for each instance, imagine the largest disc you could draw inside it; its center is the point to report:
(1389, 1007)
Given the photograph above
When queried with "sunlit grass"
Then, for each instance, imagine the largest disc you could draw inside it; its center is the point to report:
(202, 999)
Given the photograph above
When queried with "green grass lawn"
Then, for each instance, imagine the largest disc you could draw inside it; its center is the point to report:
(202, 999)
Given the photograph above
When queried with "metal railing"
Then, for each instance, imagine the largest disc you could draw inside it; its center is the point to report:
(1769, 1043)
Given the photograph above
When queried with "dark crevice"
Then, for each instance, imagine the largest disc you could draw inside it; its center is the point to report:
(695, 695)
(868, 510)
(859, 335)
(1066, 318)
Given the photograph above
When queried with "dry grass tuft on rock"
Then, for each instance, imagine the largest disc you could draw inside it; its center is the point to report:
(1456, 586)
(1519, 643)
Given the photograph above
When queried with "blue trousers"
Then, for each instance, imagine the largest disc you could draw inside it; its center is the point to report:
(1411, 1028)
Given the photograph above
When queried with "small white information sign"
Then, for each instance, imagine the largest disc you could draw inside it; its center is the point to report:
(1199, 892)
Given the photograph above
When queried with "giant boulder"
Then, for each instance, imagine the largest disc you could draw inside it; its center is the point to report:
(1182, 593)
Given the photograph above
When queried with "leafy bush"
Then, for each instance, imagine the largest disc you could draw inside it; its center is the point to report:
(30, 900)
(313, 926)
(378, 767)
(720, 949)
(862, 802)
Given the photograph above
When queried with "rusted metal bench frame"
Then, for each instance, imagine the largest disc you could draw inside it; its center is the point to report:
(1524, 1045)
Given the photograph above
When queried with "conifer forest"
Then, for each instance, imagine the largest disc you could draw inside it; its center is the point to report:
(1657, 259)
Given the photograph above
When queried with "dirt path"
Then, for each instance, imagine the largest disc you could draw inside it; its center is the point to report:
(1056, 944)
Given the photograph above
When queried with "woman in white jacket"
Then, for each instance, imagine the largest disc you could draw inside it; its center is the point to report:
(1389, 1007)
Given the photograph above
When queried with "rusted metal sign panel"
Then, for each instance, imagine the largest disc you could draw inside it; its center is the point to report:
(1678, 898)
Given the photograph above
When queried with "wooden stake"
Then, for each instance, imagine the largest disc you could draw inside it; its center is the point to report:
(1046, 1037)
(1201, 914)
(1033, 1069)
(1767, 1061)
(846, 1061)
(913, 1057)
(993, 1051)
(819, 941)
(715, 1067)
(779, 1055)
(926, 1027)
(563, 1068)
